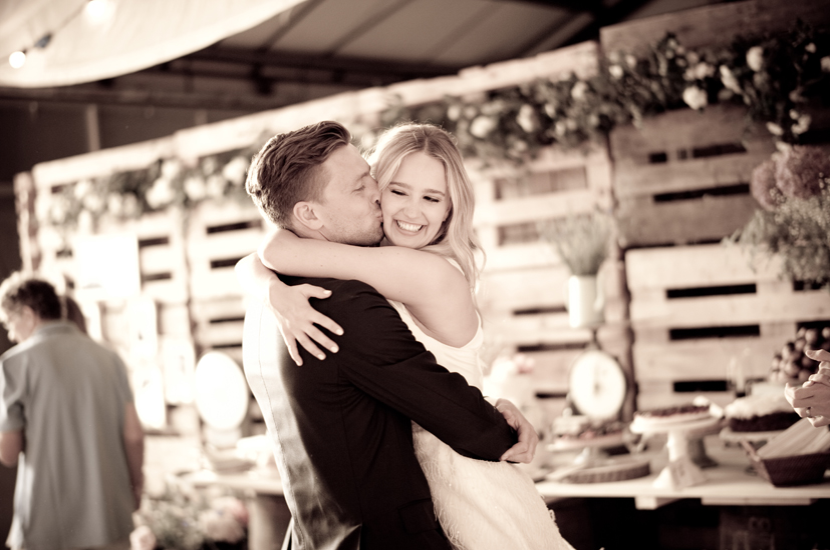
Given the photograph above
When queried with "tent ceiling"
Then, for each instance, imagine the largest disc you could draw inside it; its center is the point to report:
(319, 47)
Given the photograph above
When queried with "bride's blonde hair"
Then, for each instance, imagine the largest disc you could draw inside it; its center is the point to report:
(456, 238)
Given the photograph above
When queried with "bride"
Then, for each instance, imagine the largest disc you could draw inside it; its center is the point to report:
(426, 268)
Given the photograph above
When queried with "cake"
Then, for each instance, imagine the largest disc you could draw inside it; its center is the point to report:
(760, 413)
(580, 431)
(669, 416)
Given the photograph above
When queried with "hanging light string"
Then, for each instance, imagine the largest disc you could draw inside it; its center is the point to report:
(94, 7)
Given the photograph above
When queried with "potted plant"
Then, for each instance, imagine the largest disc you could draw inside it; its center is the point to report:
(793, 223)
(582, 242)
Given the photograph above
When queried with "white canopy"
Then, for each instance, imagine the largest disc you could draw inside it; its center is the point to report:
(124, 37)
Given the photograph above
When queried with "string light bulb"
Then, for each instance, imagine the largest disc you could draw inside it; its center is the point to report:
(96, 9)
(17, 59)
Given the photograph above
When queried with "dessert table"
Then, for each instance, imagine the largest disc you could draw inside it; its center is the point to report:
(730, 483)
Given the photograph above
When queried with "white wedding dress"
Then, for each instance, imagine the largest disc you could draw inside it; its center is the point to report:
(481, 505)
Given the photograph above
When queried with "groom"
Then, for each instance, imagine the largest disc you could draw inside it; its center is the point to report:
(342, 427)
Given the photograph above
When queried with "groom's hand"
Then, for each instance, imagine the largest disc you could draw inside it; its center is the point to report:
(524, 450)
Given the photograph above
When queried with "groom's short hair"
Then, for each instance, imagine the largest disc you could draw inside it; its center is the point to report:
(287, 169)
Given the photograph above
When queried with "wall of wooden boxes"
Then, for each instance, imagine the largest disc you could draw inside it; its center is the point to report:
(701, 318)
(186, 259)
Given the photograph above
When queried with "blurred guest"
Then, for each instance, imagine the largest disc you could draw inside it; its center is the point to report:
(812, 399)
(67, 416)
(74, 313)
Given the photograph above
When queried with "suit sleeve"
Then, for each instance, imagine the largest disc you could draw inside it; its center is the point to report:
(381, 357)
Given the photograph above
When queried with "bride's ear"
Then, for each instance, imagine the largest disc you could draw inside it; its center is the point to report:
(306, 216)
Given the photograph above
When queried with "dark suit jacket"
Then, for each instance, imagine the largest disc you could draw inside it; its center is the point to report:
(342, 430)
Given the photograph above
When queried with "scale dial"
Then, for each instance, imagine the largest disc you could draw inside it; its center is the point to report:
(597, 385)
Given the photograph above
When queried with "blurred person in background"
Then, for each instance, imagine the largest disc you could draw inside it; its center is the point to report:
(68, 421)
(812, 399)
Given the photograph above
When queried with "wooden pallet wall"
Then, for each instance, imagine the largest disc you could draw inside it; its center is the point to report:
(186, 259)
(681, 184)
(523, 287)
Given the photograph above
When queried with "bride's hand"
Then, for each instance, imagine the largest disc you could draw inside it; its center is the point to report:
(298, 320)
(525, 448)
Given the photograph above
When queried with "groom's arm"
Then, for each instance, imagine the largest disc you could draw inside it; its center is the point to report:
(383, 359)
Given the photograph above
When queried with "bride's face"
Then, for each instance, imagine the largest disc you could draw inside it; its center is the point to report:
(416, 202)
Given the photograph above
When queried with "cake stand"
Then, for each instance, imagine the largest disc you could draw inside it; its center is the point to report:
(680, 471)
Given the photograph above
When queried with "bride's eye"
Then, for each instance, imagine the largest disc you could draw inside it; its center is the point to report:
(433, 199)
(399, 193)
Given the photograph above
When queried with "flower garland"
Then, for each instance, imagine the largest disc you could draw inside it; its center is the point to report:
(774, 78)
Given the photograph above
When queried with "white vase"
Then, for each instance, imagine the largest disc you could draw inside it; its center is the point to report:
(585, 301)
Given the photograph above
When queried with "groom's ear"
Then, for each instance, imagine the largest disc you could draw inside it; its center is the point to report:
(305, 215)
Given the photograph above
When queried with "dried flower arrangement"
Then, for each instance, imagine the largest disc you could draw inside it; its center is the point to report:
(581, 240)
(793, 223)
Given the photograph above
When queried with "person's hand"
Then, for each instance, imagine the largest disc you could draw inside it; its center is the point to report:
(812, 399)
(298, 320)
(822, 376)
(525, 448)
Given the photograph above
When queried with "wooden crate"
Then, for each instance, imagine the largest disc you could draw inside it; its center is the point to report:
(522, 293)
(694, 309)
(713, 26)
(684, 177)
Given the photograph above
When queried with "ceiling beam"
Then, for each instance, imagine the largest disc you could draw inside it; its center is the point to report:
(575, 6)
(609, 16)
(144, 98)
(395, 70)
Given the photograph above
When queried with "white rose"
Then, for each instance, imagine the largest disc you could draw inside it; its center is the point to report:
(170, 168)
(631, 61)
(234, 171)
(215, 186)
(93, 202)
(160, 194)
(194, 188)
(527, 119)
(220, 526)
(82, 189)
(825, 64)
(755, 58)
(774, 129)
(115, 205)
(482, 126)
(802, 125)
(729, 80)
(616, 71)
(695, 97)
(703, 70)
(578, 91)
(142, 538)
(810, 47)
(454, 112)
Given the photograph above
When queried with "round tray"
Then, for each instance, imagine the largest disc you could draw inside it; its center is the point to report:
(612, 470)
(728, 435)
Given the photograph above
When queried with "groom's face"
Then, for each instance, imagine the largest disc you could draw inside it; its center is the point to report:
(350, 209)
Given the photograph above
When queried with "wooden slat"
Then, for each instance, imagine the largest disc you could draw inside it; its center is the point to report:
(692, 267)
(703, 359)
(643, 222)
